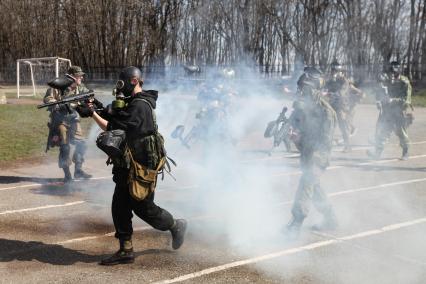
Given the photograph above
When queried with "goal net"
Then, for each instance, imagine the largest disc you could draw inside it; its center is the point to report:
(32, 74)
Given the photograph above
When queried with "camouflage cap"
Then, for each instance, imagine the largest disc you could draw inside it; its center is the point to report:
(76, 71)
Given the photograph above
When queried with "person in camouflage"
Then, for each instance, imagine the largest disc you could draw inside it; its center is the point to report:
(65, 124)
(343, 97)
(395, 109)
(313, 122)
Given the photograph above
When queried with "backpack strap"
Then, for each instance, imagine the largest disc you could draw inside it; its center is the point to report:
(154, 116)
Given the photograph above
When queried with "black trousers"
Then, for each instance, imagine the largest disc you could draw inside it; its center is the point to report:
(123, 207)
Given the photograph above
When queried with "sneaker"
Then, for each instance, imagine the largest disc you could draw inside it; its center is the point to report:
(178, 233)
(120, 257)
(80, 174)
(354, 130)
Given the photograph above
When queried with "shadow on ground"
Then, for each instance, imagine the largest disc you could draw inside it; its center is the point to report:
(46, 253)
(17, 179)
(54, 254)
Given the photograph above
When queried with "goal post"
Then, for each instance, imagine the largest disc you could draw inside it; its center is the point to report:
(34, 72)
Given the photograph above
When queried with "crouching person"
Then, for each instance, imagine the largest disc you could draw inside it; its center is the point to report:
(133, 115)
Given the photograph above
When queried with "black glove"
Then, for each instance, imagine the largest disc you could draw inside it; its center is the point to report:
(84, 111)
(98, 104)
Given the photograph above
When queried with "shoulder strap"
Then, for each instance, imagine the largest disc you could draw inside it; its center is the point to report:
(154, 117)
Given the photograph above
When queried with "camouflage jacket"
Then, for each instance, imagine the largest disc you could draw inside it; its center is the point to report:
(399, 88)
(61, 114)
(314, 121)
(342, 92)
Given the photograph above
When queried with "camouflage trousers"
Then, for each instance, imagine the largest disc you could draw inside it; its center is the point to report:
(391, 120)
(310, 191)
(71, 134)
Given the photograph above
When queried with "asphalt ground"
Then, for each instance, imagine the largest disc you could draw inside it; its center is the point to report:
(51, 233)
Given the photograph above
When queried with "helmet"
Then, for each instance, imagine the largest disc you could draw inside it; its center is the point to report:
(395, 68)
(311, 77)
(124, 84)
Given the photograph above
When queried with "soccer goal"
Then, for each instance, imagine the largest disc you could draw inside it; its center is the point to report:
(32, 74)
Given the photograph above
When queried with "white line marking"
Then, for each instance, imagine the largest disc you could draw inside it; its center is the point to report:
(355, 245)
(290, 251)
(194, 186)
(378, 186)
(329, 168)
(346, 166)
(41, 207)
(111, 234)
(203, 217)
(338, 150)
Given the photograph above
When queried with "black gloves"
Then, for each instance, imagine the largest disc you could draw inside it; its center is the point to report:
(98, 104)
(84, 110)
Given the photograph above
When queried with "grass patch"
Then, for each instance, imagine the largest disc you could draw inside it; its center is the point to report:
(23, 133)
(419, 98)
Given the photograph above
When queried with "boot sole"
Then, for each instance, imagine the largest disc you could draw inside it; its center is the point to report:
(125, 261)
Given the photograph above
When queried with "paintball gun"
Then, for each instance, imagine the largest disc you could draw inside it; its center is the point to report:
(61, 84)
(280, 130)
(272, 126)
(73, 99)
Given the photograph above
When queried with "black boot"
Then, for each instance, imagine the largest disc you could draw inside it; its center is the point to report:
(80, 174)
(404, 156)
(124, 255)
(178, 233)
(68, 177)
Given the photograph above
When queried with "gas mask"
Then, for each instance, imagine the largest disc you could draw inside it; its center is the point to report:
(124, 88)
(394, 70)
(124, 84)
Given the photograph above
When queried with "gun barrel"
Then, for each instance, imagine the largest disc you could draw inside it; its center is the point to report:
(76, 98)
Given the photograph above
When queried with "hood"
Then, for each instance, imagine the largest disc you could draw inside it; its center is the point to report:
(149, 95)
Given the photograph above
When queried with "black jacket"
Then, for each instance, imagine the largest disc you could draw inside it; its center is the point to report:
(136, 118)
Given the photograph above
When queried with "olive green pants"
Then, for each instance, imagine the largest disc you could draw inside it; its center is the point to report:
(310, 191)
